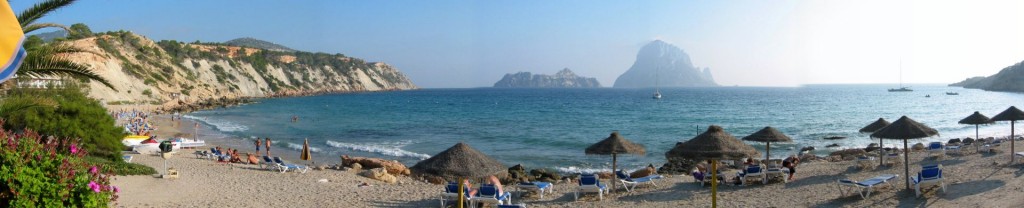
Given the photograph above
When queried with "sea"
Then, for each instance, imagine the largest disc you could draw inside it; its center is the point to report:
(550, 128)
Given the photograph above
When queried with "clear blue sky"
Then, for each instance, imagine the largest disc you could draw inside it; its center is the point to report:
(474, 43)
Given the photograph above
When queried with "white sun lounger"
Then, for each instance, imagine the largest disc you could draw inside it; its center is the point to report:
(864, 188)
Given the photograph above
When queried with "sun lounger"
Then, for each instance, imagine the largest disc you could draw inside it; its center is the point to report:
(893, 158)
(1017, 154)
(776, 170)
(589, 183)
(451, 193)
(520, 205)
(488, 194)
(752, 172)
(535, 186)
(930, 175)
(865, 187)
(954, 149)
(268, 163)
(864, 162)
(285, 167)
(936, 148)
(987, 147)
(631, 183)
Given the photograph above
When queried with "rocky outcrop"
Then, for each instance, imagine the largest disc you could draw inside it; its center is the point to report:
(664, 65)
(563, 79)
(379, 174)
(1010, 79)
(392, 166)
(172, 74)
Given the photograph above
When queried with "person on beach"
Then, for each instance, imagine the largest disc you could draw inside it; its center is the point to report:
(750, 161)
(791, 162)
(258, 144)
(268, 145)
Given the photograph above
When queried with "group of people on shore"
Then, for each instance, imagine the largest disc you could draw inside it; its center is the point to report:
(789, 163)
(135, 122)
(266, 143)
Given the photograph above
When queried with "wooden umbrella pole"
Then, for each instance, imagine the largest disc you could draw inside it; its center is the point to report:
(906, 164)
(461, 194)
(977, 148)
(714, 183)
(614, 176)
(881, 154)
(768, 152)
(1011, 142)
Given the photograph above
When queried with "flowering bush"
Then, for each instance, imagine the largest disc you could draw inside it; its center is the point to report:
(49, 172)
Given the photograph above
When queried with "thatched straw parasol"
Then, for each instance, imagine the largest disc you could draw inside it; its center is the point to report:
(976, 119)
(714, 144)
(904, 129)
(459, 161)
(614, 145)
(871, 128)
(305, 155)
(1013, 115)
(768, 135)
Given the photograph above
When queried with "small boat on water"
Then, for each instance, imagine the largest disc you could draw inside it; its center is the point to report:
(834, 137)
(927, 96)
(901, 89)
(952, 93)
(657, 95)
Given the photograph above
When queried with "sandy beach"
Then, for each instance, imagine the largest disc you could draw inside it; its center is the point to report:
(973, 180)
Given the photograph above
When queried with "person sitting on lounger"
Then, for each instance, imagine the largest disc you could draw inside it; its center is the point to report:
(497, 183)
(791, 162)
(750, 161)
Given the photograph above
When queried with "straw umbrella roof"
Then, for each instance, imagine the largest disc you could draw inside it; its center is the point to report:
(875, 126)
(714, 143)
(976, 118)
(768, 134)
(615, 144)
(1010, 114)
(905, 128)
(457, 162)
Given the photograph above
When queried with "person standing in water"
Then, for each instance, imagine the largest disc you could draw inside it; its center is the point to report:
(268, 145)
(258, 144)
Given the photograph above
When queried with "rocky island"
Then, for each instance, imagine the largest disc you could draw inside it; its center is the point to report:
(662, 64)
(563, 79)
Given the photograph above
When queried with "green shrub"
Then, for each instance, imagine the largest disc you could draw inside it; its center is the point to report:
(49, 172)
(75, 116)
(147, 92)
(119, 167)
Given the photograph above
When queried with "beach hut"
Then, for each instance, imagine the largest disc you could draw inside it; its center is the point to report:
(904, 129)
(871, 128)
(976, 119)
(714, 144)
(768, 135)
(305, 151)
(1011, 114)
(458, 162)
(615, 145)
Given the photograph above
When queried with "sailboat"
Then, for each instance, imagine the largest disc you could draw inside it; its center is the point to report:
(657, 90)
(902, 88)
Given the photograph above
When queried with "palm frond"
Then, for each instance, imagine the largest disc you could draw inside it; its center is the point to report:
(33, 27)
(62, 48)
(39, 10)
(50, 65)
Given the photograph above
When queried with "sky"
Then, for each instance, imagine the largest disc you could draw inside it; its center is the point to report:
(457, 44)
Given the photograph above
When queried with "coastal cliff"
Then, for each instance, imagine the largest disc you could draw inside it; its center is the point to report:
(1010, 79)
(663, 64)
(170, 73)
(563, 79)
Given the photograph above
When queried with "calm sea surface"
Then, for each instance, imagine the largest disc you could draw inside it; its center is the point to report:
(552, 127)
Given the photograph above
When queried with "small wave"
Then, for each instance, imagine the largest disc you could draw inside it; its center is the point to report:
(384, 149)
(298, 147)
(224, 126)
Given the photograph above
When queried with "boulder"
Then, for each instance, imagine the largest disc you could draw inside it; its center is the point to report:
(848, 153)
(832, 145)
(379, 174)
(518, 173)
(649, 170)
(917, 147)
(392, 166)
(953, 141)
(544, 175)
(807, 149)
(872, 147)
(356, 166)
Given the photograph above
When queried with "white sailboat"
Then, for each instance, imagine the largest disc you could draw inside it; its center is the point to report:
(902, 88)
(657, 90)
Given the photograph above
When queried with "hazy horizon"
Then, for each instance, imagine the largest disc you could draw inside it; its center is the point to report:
(457, 44)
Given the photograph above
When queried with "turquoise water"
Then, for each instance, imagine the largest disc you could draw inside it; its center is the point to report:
(552, 127)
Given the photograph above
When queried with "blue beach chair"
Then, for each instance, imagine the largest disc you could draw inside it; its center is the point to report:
(488, 194)
(865, 187)
(930, 175)
(590, 184)
(630, 183)
(285, 167)
(451, 193)
(540, 187)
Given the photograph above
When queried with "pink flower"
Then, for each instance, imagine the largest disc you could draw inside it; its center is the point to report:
(95, 187)
(92, 169)
(74, 149)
